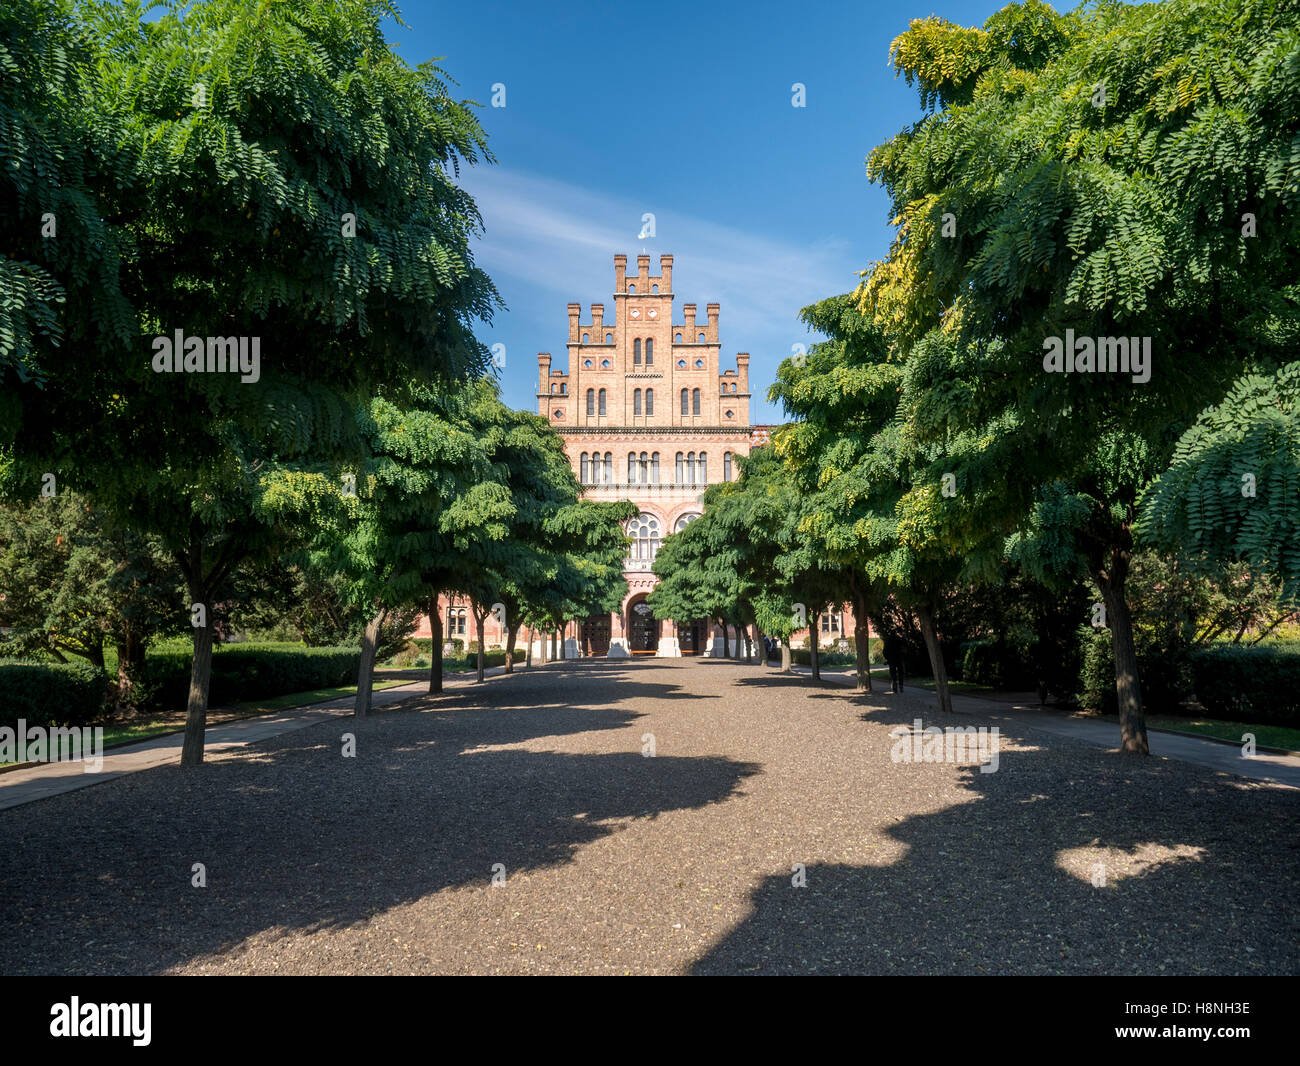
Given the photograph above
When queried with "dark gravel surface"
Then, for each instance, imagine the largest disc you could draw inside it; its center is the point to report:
(681, 863)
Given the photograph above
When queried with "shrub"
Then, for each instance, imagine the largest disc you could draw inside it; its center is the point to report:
(1260, 683)
(493, 658)
(44, 694)
(997, 665)
(1097, 672)
(253, 671)
(825, 660)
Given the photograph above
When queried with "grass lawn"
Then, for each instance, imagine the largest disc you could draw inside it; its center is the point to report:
(146, 726)
(1268, 736)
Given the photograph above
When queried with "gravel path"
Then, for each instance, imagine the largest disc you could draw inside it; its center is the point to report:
(681, 863)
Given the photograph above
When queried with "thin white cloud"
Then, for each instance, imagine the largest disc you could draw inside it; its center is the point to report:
(561, 238)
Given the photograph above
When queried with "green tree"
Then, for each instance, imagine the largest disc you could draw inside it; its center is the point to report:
(289, 180)
(1063, 187)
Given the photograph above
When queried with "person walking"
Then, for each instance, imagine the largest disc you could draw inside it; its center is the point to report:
(893, 652)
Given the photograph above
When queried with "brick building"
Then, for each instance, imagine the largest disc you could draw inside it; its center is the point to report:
(647, 414)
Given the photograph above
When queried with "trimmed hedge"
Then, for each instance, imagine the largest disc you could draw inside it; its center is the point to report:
(1259, 684)
(45, 694)
(825, 661)
(493, 658)
(253, 671)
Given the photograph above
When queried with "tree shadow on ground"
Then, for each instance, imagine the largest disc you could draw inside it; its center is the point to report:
(1068, 859)
(296, 837)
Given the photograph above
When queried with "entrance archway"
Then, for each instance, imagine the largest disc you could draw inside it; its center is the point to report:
(642, 628)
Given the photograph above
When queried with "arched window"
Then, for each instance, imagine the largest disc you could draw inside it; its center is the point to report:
(631, 288)
(677, 337)
(602, 401)
(690, 467)
(644, 531)
(564, 387)
(695, 402)
(680, 479)
(609, 338)
(456, 619)
(636, 401)
(636, 352)
(726, 466)
(644, 464)
(584, 338)
(591, 401)
(585, 475)
(654, 469)
(654, 288)
(609, 468)
(631, 468)
(685, 403)
(649, 401)
(554, 386)
(649, 351)
(684, 521)
(704, 469)
(701, 338)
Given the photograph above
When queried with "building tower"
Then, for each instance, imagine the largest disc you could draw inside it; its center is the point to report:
(647, 415)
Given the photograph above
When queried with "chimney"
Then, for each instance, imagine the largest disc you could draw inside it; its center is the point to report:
(689, 311)
(742, 370)
(544, 371)
(643, 271)
(620, 273)
(597, 323)
(575, 311)
(712, 335)
(666, 271)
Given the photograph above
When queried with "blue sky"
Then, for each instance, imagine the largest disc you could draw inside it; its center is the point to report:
(683, 110)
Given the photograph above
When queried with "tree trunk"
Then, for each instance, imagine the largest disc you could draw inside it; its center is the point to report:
(937, 668)
(510, 651)
(528, 661)
(478, 635)
(862, 643)
(196, 710)
(366, 673)
(130, 668)
(1128, 688)
(814, 652)
(435, 657)
(785, 655)
(726, 640)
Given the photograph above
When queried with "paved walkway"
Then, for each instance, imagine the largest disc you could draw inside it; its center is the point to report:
(1263, 766)
(50, 779)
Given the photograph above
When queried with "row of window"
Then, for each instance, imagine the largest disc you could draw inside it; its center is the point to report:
(597, 402)
(563, 389)
(691, 468)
